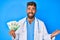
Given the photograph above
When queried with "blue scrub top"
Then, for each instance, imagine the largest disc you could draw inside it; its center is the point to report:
(30, 30)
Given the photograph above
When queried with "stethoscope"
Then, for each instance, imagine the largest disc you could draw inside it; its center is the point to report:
(37, 24)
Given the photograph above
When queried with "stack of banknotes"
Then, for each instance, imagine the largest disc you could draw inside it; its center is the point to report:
(13, 25)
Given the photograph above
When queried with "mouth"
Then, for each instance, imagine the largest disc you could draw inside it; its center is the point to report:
(30, 14)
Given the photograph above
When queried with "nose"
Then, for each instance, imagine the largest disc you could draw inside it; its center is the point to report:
(31, 10)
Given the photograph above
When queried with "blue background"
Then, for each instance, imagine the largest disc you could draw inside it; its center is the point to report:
(47, 10)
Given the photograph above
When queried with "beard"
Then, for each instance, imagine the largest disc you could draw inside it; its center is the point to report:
(30, 13)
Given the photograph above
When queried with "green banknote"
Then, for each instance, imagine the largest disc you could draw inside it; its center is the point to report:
(13, 25)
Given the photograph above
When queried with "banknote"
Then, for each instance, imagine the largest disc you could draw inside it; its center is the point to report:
(13, 25)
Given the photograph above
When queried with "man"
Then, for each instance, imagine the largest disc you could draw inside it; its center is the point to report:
(32, 28)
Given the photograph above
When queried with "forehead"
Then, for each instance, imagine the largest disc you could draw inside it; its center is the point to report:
(31, 6)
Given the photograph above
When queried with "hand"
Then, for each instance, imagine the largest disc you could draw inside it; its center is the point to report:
(55, 33)
(12, 33)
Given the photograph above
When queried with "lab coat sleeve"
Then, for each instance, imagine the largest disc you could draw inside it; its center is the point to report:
(46, 36)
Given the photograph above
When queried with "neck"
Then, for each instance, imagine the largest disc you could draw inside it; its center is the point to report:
(30, 20)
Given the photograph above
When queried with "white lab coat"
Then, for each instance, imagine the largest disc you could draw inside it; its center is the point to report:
(40, 32)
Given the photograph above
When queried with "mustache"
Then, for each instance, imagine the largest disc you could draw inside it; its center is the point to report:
(30, 13)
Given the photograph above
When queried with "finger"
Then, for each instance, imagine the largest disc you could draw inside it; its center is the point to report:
(14, 35)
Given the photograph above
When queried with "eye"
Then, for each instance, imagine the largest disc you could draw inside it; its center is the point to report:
(33, 8)
(28, 8)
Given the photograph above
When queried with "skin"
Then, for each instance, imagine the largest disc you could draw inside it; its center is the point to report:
(12, 33)
(55, 33)
(31, 10)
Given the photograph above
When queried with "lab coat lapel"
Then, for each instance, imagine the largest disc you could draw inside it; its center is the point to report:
(36, 30)
(23, 31)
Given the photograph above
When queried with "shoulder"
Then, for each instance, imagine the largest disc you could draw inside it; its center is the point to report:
(40, 21)
(20, 23)
(22, 20)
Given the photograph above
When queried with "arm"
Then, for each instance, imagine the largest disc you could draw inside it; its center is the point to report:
(50, 36)
(13, 26)
(55, 33)
(46, 36)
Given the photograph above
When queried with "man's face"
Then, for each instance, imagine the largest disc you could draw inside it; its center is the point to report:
(31, 11)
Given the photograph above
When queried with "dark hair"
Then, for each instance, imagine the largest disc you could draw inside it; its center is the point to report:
(31, 3)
